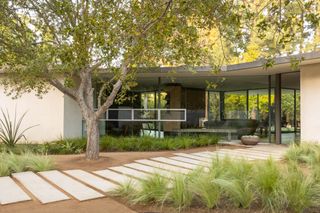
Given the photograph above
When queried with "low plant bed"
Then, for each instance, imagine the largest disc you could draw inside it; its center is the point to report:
(120, 144)
(12, 163)
(265, 186)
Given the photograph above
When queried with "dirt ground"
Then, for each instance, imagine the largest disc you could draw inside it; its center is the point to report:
(108, 204)
(108, 159)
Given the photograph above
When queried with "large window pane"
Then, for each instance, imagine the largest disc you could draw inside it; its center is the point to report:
(287, 112)
(235, 105)
(149, 100)
(214, 106)
(298, 110)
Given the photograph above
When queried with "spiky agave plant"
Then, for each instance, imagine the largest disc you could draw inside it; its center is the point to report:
(11, 131)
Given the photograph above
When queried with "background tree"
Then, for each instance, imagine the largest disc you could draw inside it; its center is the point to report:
(73, 44)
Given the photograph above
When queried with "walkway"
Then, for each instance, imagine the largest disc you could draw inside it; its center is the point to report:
(53, 186)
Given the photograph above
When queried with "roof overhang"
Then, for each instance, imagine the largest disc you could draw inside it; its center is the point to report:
(280, 65)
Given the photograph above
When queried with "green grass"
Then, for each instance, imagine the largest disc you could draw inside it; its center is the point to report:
(117, 144)
(11, 163)
(308, 153)
(267, 182)
(236, 183)
(180, 194)
(154, 190)
(302, 191)
(205, 190)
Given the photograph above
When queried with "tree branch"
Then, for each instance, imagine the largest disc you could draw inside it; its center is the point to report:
(57, 84)
(152, 22)
(116, 88)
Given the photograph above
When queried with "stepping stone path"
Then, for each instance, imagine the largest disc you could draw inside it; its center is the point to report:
(54, 186)
(40, 188)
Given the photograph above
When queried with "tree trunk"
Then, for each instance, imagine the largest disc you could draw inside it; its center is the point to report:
(92, 152)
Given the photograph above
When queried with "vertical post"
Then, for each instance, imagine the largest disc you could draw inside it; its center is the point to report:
(208, 104)
(221, 94)
(295, 111)
(258, 108)
(247, 103)
(159, 106)
(278, 108)
(269, 108)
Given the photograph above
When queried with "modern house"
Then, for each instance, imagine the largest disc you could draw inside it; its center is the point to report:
(281, 104)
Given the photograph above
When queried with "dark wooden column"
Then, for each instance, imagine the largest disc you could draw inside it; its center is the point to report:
(277, 102)
(221, 96)
(159, 104)
(269, 109)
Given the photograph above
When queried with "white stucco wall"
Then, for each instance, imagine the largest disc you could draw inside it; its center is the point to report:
(310, 102)
(72, 125)
(46, 113)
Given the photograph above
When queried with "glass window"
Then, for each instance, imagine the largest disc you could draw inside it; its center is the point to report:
(214, 106)
(235, 105)
(149, 100)
(259, 105)
(298, 110)
(287, 112)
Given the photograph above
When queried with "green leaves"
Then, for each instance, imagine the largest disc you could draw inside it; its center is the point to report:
(11, 131)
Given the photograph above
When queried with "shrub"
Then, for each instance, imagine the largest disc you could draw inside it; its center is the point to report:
(119, 144)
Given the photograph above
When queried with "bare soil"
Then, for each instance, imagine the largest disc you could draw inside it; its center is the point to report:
(108, 204)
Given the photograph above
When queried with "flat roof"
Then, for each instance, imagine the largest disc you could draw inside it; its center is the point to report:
(281, 65)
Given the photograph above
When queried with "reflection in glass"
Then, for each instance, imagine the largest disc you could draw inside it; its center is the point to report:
(235, 105)
(214, 106)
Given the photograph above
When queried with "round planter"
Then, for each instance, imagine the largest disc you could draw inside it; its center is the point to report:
(250, 139)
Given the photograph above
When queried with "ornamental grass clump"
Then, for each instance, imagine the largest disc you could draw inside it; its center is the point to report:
(4, 168)
(302, 191)
(12, 163)
(154, 189)
(237, 183)
(180, 194)
(204, 189)
(267, 184)
(125, 190)
(303, 153)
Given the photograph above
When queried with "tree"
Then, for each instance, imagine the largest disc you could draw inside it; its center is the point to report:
(73, 45)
